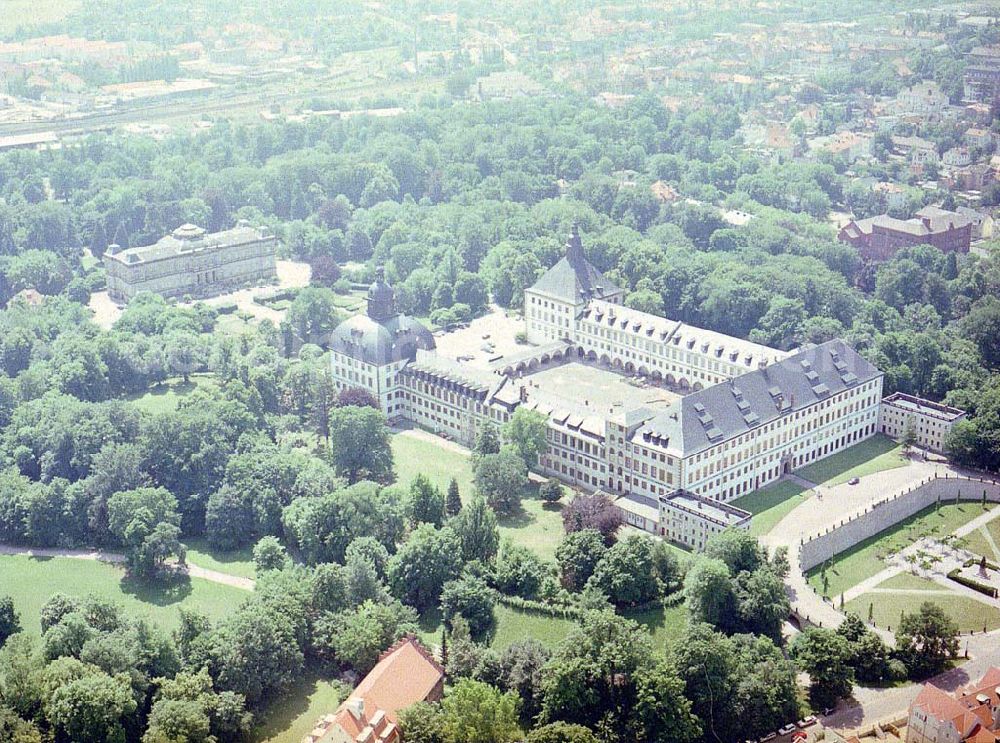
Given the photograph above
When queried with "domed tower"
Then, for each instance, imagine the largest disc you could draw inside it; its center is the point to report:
(369, 350)
(381, 298)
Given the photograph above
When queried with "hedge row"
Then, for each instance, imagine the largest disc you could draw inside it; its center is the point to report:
(975, 585)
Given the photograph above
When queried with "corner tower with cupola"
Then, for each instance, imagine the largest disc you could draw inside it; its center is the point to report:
(369, 350)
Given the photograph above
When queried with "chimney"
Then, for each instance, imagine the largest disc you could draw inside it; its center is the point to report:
(356, 706)
(524, 394)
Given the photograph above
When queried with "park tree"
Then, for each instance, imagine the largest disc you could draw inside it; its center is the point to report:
(519, 571)
(360, 446)
(737, 548)
(593, 511)
(146, 523)
(501, 478)
(606, 673)
(926, 640)
(426, 504)
(625, 572)
(519, 669)
(313, 313)
(708, 593)
(551, 491)
(321, 527)
(10, 623)
(475, 712)
(477, 530)
(92, 709)
(426, 561)
(561, 732)
(453, 499)
(269, 554)
(525, 431)
(230, 521)
(487, 440)
(738, 685)
(422, 722)
(578, 555)
(356, 637)
(826, 657)
(762, 602)
(470, 597)
(255, 653)
(357, 397)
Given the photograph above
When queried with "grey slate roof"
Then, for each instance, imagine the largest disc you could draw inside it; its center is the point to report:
(723, 411)
(189, 238)
(574, 278)
(381, 343)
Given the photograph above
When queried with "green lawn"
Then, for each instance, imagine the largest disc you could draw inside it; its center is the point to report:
(665, 625)
(31, 581)
(439, 464)
(865, 559)
(910, 582)
(968, 614)
(978, 543)
(165, 397)
(295, 714)
(872, 455)
(771, 504)
(512, 625)
(238, 563)
(538, 526)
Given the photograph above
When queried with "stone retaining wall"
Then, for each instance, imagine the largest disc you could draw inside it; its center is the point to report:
(889, 512)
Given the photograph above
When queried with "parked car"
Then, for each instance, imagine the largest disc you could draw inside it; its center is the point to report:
(769, 736)
(807, 721)
(853, 481)
(786, 729)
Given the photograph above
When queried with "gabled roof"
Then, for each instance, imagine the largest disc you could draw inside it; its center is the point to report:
(405, 674)
(574, 278)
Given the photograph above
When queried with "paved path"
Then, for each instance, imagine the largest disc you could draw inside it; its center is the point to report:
(194, 571)
(814, 516)
(989, 539)
(915, 591)
(869, 585)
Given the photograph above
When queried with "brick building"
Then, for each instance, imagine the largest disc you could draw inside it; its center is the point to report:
(878, 238)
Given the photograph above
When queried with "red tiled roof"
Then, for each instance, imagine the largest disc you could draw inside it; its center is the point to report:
(404, 675)
(970, 710)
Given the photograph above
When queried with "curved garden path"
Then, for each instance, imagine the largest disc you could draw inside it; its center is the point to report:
(190, 569)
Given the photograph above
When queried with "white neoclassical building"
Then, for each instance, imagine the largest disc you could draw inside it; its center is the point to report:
(674, 421)
(192, 262)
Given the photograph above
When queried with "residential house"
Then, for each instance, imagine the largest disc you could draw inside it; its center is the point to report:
(919, 151)
(982, 75)
(404, 675)
(969, 715)
(925, 99)
(978, 137)
(957, 157)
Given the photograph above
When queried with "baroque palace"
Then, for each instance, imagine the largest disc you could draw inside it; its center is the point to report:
(672, 420)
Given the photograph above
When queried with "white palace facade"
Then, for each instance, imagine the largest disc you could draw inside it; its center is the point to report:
(701, 419)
